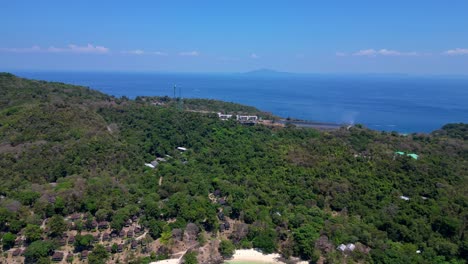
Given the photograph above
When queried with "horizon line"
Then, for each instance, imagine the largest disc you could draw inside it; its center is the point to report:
(270, 72)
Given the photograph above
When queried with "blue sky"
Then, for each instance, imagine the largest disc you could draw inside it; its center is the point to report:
(359, 36)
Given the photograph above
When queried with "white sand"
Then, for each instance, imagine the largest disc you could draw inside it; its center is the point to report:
(253, 256)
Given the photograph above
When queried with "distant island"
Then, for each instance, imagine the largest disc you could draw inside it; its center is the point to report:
(86, 177)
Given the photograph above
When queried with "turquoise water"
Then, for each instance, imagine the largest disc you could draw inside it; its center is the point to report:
(392, 103)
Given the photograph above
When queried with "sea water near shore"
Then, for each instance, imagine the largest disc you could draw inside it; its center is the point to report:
(384, 102)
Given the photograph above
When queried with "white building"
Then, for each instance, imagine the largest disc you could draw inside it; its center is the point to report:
(404, 198)
(224, 117)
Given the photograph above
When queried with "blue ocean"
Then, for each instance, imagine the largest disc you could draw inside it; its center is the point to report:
(383, 102)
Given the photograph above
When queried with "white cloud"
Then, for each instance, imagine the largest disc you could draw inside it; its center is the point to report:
(88, 49)
(142, 52)
(456, 51)
(367, 52)
(134, 52)
(72, 48)
(189, 53)
(158, 53)
(340, 54)
(21, 50)
(254, 56)
(383, 52)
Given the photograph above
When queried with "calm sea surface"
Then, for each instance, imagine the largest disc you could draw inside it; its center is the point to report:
(392, 103)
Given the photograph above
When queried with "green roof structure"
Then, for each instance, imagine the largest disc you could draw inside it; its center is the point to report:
(400, 153)
(414, 156)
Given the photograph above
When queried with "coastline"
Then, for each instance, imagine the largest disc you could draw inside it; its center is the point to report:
(387, 112)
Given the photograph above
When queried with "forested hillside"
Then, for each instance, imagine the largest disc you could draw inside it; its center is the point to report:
(68, 150)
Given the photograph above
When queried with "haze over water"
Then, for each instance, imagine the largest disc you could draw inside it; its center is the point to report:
(384, 102)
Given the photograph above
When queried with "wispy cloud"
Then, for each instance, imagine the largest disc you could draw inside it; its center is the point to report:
(133, 52)
(254, 56)
(457, 51)
(382, 52)
(72, 48)
(82, 49)
(142, 52)
(159, 53)
(340, 54)
(21, 50)
(189, 53)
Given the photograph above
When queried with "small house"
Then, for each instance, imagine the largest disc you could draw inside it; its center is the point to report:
(351, 247)
(74, 217)
(341, 247)
(221, 216)
(130, 233)
(105, 237)
(137, 230)
(120, 248)
(182, 149)
(103, 225)
(348, 247)
(122, 233)
(62, 242)
(224, 116)
(134, 244)
(58, 256)
(84, 254)
(71, 240)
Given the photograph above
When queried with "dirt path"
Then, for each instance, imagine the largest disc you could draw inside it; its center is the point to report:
(142, 236)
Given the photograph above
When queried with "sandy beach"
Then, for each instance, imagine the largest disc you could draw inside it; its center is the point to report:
(251, 256)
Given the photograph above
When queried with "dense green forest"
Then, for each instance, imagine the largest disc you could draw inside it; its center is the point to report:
(301, 192)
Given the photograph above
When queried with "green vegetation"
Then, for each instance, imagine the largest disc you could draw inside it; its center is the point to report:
(8, 240)
(226, 248)
(83, 242)
(203, 105)
(190, 258)
(98, 256)
(32, 233)
(38, 250)
(300, 192)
